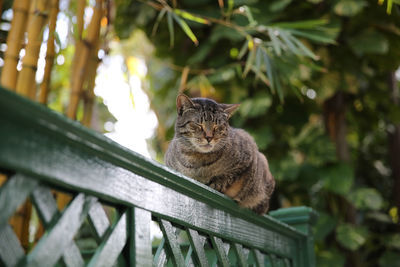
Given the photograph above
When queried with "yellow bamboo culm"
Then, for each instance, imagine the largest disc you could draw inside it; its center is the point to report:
(45, 85)
(88, 100)
(14, 44)
(81, 65)
(80, 11)
(26, 84)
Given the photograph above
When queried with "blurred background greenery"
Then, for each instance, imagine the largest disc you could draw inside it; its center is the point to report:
(318, 91)
(318, 83)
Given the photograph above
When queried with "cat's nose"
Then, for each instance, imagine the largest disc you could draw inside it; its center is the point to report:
(209, 138)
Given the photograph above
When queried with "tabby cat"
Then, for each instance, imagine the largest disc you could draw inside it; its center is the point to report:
(207, 149)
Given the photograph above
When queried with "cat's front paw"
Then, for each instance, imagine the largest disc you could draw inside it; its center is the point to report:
(215, 185)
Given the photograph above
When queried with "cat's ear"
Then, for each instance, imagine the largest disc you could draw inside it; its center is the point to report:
(230, 108)
(183, 102)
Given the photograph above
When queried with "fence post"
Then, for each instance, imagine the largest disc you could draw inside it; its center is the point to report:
(302, 218)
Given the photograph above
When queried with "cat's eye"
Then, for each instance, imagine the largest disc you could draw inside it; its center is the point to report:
(195, 126)
(219, 128)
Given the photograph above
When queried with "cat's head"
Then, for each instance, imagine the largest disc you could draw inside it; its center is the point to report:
(202, 123)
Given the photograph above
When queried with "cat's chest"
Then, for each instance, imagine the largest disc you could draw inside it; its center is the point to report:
(202, 169)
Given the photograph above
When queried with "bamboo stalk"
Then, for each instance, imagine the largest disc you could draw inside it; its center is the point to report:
(14, 44)
(44, 87)
(26, 84)
(82, 61)
(79, 17)
(80, 11)
(90, 83)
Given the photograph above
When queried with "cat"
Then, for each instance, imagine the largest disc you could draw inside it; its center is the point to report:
(227, 159)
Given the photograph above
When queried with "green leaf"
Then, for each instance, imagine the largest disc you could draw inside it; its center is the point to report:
(249, 62)
(324, 37)
(305, 24)
(269, 70)
(302, 47)
(279, 5)
(379, 217)
(369, 42)
(325, 225)
(292, 47)
(279, 89)
(261, 75)
(189, 16)
(243, 50)
(389, 259)
(366, 198)
(185, 28)
(330, 257)
(276, 43)
(249, 16)
(254, 107)
(349, 8)
(159, 18)
(350, 236)
(338, 178)
(393, 241)
(170, 29)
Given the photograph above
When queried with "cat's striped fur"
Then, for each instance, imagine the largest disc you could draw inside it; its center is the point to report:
(207, 149)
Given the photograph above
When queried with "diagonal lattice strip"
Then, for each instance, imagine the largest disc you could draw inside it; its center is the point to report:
(221, 250)
(160, 258)
(98, 220)
(241, 254)
(10, 248)
(197, 242)
(258, 257)
(12, 194)
(173, 247)
(52, 245)
(111, 247)
(46, 207)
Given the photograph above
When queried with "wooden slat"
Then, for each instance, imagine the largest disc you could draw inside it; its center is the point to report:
(160, 258)
(72, 256)
(111, 247)
(258, 257)
(10, 248)
(188, 257)
(12, 194)
(45, 204)
(140, 242)
(172, 244)
(61, 152)
(46, 207)
(221, 250)
(52, 245)
(240, 254)
(98, 219)
(197, 243)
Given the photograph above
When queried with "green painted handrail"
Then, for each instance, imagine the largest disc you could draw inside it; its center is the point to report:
(50, 149)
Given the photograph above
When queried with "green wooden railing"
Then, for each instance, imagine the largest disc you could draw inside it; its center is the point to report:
(116, 193)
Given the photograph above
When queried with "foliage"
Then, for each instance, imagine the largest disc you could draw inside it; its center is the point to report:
(283, 60)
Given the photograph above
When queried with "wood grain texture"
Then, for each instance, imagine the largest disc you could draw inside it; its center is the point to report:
(112, 245)
(172, 243)
(197, 243)
(10, 248)
(12, 194)
(160, 257)
(51, 246)
(140, 242)
(98, 220)
(47, 210)
(221, 250)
